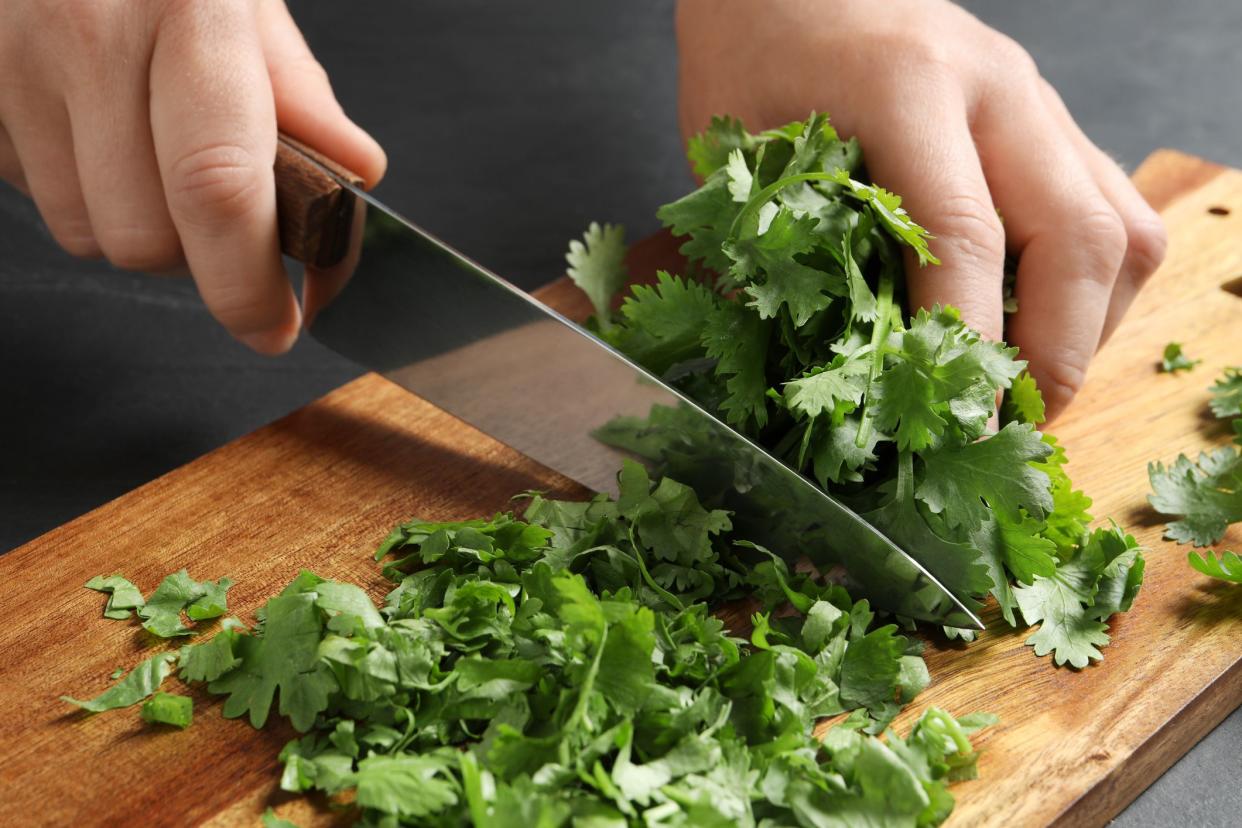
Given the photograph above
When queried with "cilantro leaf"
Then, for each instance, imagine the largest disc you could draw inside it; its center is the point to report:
(597, 265)
(1226, 567)
(284, 659)
(892, 216)
(1227, 394)
(1071, 605)
(943, 373)
(704, 217)
(1206, 494)
(710, 149)
(406, 786)
(208, 660)
(1174, 360)
(665, 321)
(737, 340)
(741, 182)
(774, 278)
(201, 600)
(123, 596)
(1023, 402)
(820, 390)
(169, 709)
(140, 683)
(996, 471)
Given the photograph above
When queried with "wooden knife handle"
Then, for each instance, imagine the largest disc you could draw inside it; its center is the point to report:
(313, 211)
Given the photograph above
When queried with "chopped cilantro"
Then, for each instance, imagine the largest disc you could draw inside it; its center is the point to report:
(123, 596)
(140, 683)
(169, 709)
(565, 663)
(1174, 360)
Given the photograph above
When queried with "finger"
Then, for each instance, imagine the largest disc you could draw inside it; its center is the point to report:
(321, 285)
(121, 186)
(43, 144)
(214, 128)
(10, 168)
(931, 160)
(1070, 239)
(1146, 238)
(306, 107)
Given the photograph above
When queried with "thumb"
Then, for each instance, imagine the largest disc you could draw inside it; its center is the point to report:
(306, 107)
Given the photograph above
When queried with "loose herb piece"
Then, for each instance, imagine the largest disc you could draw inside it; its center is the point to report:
(161, 613)
(169, 709)
(563, 668)
(139, 684)
(1226, 567)
(1174, 360)
(1205, 494)
(791, 328)
(123, 596)
(1227, 394)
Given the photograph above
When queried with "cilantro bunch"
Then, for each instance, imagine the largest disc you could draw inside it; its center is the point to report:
(790, 326)
(564, 668)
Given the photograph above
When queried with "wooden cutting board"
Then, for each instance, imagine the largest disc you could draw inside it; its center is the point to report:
(321, 487)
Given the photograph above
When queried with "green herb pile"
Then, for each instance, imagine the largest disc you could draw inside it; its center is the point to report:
(1206, 494)
(564, 668)
(791, 328)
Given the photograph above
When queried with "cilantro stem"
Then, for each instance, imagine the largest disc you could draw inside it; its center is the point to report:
(905, 476)
(765, 195)
(584, 695)
(672, 599)
(950, 728)
(879, 333)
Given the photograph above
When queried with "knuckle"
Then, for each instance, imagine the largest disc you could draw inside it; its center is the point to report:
(970, 228)
(930, 60)
(141, 248)
(216, 181)
(1013, 58)
(1147, 243)
(1103, 237)
(1062, 381)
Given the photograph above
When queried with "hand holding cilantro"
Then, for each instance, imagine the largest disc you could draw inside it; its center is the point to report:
(956, 118)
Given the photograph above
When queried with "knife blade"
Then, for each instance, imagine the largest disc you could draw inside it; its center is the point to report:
(428, 318)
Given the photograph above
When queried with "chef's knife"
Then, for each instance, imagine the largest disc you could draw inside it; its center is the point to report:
(431, 320)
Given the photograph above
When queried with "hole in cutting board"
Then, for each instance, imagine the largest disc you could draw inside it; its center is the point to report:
(1233, 286)
(1218, 210)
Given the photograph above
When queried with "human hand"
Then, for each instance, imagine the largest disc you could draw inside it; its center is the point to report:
(145, 131)
(955, 117)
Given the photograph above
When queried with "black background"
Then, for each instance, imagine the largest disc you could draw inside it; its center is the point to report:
(509, 127)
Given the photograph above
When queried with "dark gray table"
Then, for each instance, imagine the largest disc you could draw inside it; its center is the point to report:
(509, 127)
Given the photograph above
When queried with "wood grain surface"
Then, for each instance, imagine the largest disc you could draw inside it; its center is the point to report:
(321, 487)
